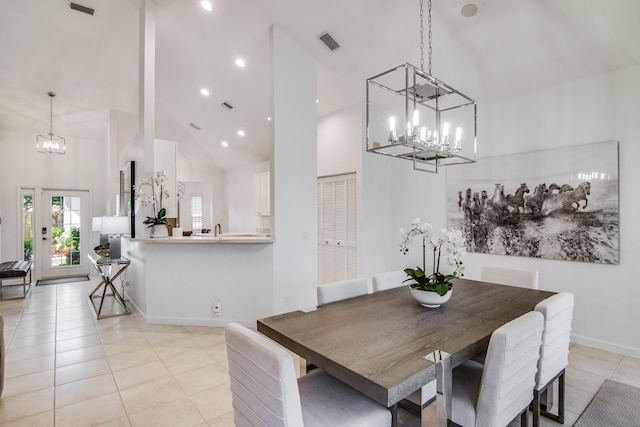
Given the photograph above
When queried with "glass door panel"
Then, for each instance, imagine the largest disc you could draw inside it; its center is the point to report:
(64, 238)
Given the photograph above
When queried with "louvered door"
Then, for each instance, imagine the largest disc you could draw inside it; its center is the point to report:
(337, 228)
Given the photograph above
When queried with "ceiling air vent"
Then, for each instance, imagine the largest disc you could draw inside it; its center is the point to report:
(227, 105)
(195, 126)
(81, 8)
(328, 41)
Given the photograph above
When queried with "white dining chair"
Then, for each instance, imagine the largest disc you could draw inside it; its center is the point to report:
(265, 391)
(554, 353)
(509, 276)
(337, 291)
(388, 280)
(495, 393)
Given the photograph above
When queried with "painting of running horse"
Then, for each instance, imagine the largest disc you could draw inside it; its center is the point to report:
(560, 204)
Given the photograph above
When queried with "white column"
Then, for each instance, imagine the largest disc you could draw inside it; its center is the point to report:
(146, 88)
(294, 166)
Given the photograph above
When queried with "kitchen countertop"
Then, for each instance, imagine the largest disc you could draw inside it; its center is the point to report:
(232, 238)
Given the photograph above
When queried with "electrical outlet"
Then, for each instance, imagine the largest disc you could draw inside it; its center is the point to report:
(217, 309)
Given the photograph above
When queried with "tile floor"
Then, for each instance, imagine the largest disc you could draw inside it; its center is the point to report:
(65, 368)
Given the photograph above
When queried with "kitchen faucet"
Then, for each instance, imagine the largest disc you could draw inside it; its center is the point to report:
(217, 230)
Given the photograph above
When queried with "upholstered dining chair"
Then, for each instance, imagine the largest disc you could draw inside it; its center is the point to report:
(509, 276)
(495, 393)
(337, 291)
(388, 280)
(265, 391)
(554, 353)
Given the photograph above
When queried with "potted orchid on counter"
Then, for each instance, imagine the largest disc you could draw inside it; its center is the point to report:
(448, 246)
(151, 192)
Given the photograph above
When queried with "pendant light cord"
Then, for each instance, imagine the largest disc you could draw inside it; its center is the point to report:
(50, 114)
(51, 95)
(429, 51)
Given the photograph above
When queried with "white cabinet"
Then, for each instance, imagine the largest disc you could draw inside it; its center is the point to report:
(337, 228)
(262, 193)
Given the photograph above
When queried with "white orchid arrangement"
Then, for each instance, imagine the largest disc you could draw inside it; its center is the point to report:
(449, 244)
(156, 185)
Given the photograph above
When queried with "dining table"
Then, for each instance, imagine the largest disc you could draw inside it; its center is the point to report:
(387, 346)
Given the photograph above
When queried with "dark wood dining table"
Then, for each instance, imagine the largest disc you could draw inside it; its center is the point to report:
(383, 343)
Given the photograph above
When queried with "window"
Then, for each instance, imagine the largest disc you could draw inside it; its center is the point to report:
(196, 212)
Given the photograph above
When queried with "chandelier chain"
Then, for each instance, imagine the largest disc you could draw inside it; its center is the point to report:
(430, 35)
(421, 37)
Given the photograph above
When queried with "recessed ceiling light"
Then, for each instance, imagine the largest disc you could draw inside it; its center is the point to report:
(240, 132)
(269, 118)
(224, 143)
(240, 62)
(204, 91)
(206, 5)
(317, 101)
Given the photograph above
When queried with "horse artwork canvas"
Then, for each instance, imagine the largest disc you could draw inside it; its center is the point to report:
(560, 204)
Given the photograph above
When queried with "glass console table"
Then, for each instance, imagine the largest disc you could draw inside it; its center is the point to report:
(109, 270)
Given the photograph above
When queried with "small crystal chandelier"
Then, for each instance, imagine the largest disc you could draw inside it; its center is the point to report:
(441, 122)
(50, 143)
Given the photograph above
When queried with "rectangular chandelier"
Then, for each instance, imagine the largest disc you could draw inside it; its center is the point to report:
(414, 116)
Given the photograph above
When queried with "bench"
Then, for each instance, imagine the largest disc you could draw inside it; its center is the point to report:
(16, 270)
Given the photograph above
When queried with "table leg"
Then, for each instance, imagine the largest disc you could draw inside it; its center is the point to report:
(445, 386)
(394, 415)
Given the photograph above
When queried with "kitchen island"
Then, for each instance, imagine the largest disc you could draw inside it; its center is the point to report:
(177, 280)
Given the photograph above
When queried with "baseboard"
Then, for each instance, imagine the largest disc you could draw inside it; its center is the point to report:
(197, 321)
(605, 345)
(161, 320)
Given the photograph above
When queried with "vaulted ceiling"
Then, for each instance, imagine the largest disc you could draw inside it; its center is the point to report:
(509, 47)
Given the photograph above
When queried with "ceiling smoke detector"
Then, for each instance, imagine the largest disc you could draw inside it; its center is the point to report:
(81, 8)
(328, 41)
(469, 10)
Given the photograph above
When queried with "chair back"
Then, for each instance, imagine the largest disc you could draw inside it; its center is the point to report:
(388, 280)
(509, 276)
(554, 353)
(264, 387)
(337, 291)
(509, 374)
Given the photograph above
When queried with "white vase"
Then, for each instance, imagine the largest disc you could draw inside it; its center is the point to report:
(430, 299)
(159, 230)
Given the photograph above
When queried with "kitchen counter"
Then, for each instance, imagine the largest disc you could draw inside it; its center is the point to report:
(231, 238)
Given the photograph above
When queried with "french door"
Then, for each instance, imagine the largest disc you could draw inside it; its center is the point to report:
(64, 233)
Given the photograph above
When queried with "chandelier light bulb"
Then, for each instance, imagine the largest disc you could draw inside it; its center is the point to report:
(416, 118)
(392, 124)
(445, 129)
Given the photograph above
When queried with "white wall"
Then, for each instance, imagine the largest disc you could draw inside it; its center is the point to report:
(594, 109)
(83, 167)
(211, 182)
(339, 137)
(241, 212)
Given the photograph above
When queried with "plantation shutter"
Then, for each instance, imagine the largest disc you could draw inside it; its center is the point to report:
(337, 228)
